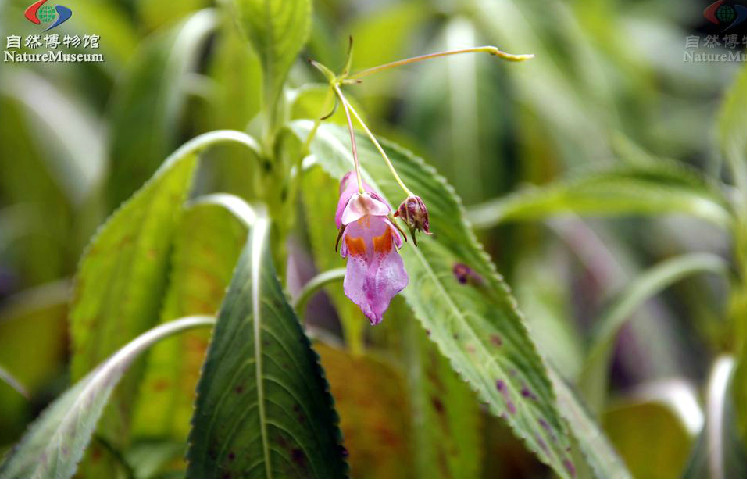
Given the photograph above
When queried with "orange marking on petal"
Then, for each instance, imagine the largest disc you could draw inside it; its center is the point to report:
(383, 243)
(356, 246)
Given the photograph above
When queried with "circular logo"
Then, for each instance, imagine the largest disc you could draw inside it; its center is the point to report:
(726, 13)
(46, 13)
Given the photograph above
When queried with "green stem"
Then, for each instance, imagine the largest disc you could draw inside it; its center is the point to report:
(376, 143)
(296, 182)
(317, 123)
(240, 209)
(199, 143)
(315, 284)
(484, 49)
(347, 109)
(352, 326)
(117, 455)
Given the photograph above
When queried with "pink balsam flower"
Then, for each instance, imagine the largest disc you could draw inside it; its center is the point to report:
(375, 273)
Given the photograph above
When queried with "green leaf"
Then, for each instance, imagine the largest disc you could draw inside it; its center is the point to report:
(646, 415)
(568, 107)
(547, 307)
(447, 440)
(475, 325)
(69, 135)
(263, 407)
(719, 454)
(55, 442)
(157, 13)
(234, 98)
(399, 23)
(122, 36)
(589, 440)
(737, 311)
(122, 276)
(237, 74)
(147, 107)
(208, 241)
(371, 397)
(452, 103)
(619, 191)
(156, 459)
(730, 128)
(593, 380)
(42, 208)
(34, 320)
(446, 427)
(277, 29)
(733, 142)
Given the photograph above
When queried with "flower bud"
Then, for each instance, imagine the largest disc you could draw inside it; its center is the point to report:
(415, 215)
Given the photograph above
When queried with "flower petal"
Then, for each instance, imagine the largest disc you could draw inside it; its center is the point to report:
(372, 285)
(348, 188)
(366, 204)
(375, 272)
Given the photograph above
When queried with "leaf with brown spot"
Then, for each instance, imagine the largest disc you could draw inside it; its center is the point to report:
(371, 398)
(208, 241)
(119, 289)
(448, 428)
(245, 396)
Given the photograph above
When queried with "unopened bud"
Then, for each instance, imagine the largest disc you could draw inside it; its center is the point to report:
(415, 215)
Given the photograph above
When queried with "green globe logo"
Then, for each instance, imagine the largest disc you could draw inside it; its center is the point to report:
(726, 13)
(46, 13)
(38, 13)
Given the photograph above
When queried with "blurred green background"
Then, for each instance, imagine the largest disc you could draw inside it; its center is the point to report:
(608, 86)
